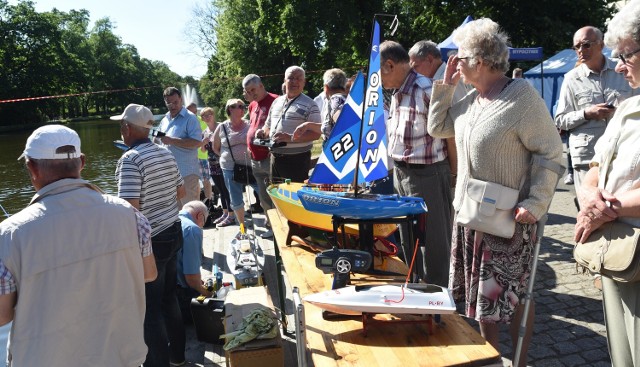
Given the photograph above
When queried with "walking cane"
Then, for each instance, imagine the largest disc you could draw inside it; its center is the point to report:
(559, 170)
(529, 295)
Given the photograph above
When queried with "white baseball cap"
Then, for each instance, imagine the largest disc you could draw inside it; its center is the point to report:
(52, 142)
(136, 114)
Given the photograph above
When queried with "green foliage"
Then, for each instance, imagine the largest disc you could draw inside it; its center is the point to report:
(54, 53)
(266, 36)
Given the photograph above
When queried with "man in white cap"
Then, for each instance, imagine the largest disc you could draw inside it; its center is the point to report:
(148, 178)
(73, 265)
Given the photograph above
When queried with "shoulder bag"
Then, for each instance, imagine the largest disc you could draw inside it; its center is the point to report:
(488, 207)
(612, 249)
(242, 173)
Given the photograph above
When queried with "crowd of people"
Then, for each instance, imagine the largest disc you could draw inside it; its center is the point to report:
(119, 271)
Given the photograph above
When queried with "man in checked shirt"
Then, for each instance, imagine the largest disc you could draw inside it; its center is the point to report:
(422, 165)
(73, 265)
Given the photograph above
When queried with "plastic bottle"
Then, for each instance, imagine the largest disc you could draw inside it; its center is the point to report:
(226, 288)
(218, 280)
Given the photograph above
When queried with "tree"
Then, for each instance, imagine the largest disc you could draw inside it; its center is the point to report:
(53, 54)
(266, 36)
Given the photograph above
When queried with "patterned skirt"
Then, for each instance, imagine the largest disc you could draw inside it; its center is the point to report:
(489, 273)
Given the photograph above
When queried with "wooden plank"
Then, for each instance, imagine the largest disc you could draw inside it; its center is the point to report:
(342, 343)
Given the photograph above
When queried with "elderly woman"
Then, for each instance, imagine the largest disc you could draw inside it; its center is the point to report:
(500, 129)
(614, 192)
(230, 143)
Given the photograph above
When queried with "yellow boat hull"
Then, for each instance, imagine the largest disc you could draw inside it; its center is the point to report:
(285, 198)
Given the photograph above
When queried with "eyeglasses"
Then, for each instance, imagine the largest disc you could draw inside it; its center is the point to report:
(463, 58)
(167, 103)
(625, 57)
(584, 45)
(234, 106)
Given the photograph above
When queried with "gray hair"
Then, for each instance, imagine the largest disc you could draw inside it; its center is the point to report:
(391, 50)
(624, 25)
(484, 39)
(251, 79)
(291, 69)
(334, 79)
(196, 206)
(57, 169)
(423, 48)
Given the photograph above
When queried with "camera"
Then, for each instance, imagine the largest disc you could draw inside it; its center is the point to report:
(268, 143)
(157, 133)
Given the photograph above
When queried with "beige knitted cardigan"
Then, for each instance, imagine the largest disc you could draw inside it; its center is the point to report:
(505, 134)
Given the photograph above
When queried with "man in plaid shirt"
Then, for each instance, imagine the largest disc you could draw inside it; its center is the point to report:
(421, 162)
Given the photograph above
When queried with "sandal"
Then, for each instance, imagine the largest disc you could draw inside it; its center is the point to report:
(221, 218)
(228, 221)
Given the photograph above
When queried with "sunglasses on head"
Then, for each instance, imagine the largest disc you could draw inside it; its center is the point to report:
(583, 45)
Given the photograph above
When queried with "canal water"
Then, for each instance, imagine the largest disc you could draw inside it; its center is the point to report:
(96, 137)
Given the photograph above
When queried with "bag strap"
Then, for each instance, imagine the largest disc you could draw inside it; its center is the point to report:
(226, 134)
(603, 173)
(285, 112)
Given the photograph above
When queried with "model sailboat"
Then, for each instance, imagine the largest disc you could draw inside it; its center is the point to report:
(356, 152)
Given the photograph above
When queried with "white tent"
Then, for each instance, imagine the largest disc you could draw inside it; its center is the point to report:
(554, 69)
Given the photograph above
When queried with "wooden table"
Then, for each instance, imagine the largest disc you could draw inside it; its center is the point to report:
(342, 343)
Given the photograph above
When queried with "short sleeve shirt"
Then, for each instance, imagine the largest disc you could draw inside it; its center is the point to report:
(184, 126)
(188, 258)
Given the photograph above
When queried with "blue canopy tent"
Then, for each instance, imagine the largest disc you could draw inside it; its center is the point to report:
(554, 69)
(515, 54)
(448, 45)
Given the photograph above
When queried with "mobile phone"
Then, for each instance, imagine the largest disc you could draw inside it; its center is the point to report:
(609, 105)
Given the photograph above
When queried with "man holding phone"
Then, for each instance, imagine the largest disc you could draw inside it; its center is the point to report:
(588, 99)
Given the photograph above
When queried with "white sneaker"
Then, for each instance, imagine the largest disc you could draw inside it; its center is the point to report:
(568, 179)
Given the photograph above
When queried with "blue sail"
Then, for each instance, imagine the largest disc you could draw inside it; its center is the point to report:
(355, 135)
(373, 147)
(337, 162)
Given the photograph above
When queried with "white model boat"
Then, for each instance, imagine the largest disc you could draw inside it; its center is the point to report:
(245, 260)
(385, 299)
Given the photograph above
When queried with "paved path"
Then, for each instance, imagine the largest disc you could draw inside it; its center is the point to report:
(569, 328)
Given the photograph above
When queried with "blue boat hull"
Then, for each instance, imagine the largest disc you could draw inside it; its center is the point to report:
(364, 206)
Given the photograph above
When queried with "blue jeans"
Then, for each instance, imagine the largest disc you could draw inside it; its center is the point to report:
(162, 316)
(235, 189)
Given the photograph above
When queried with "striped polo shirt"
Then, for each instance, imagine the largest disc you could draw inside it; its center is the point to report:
(149, 172)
